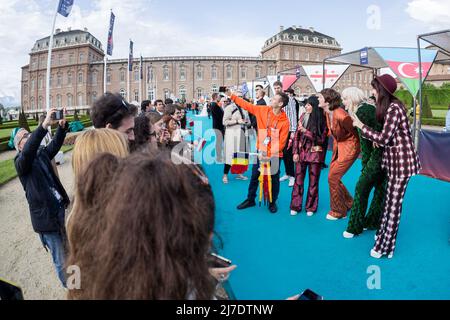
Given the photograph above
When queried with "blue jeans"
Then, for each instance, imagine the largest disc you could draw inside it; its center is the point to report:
(54, 241)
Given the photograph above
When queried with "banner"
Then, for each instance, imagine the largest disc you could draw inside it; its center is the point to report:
(434, 152)
(333, 73)
(288, 81)
(404, 63)
(130, 58)
(109, 50)
(64, 7)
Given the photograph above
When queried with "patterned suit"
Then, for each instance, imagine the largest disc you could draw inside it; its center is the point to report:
(372, 176)
(401, 162)
(303, 143)
(345, 151)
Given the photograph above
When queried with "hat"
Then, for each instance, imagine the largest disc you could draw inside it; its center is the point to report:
(388, 82)
(290, 90)
(16, 138)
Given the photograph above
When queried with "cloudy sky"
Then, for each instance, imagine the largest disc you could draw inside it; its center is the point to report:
(203, 27)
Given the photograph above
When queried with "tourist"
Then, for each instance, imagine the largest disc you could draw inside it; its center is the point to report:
(45, 193)
(345, 152)
(112, 111)
(372, 176)
(160, 107)
(399, 159)
(273, 131)
(168, 232)
(145, 134)
(217, 107)
(146, 106)
(307, 153)
(235, 137)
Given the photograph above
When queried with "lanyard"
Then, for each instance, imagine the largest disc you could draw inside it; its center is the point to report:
(268, 122)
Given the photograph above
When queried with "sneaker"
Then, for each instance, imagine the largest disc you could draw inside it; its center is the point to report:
(391, 255)
(246, 204)
(294, 213)
(310, 213)
(291, 181)
(375, 254)
(273, 207)
(348, 235)
(375, 237)
(284, 178)
(225, 179)
(330, 217)
(241, 177)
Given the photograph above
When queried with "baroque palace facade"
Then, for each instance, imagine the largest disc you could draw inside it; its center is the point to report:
(77, 70)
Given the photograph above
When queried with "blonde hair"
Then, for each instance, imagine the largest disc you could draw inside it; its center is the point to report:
(94, 142)
(355, 95)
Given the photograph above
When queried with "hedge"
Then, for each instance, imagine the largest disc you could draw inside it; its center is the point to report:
(439, 97)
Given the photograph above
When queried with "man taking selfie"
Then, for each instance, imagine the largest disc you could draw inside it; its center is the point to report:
(273, 131)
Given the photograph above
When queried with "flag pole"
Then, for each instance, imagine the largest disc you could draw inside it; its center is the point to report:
(49, 61)
(141, 74)
(128, 73)
(105, 74)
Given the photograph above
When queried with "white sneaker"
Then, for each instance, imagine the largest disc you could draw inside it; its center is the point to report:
(375, 237)
(391, 255)
(310, 213)
(284, 178)
(294, 213)
(375, 254)
(365, 229)
(330, 217)
(348, 235)
(241, 177)
(291, 181)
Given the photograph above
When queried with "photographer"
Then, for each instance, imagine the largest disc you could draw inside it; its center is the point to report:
(45, 194)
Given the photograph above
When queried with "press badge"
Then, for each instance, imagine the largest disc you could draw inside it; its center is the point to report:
(266, 141)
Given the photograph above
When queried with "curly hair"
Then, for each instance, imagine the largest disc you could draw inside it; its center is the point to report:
(111, 109)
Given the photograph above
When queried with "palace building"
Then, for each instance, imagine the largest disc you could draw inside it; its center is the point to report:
(77, 70)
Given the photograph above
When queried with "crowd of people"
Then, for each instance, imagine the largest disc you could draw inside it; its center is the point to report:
(297, 132)
(141, 225)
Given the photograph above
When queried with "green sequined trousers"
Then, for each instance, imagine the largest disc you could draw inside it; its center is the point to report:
(372, 177)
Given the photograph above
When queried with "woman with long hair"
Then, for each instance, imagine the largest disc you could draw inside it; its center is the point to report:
(372, 175)
(400, 159)
(307, 153)
(144, 133)
(152, 244)
(89, 145)
(345, 152)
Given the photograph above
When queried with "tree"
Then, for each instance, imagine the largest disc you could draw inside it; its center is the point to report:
(426, 110)
(23, 122)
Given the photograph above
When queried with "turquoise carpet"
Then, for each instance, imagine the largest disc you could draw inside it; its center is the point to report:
(279, 255)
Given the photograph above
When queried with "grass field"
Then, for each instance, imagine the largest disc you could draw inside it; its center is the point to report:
(8, 171)
(439, 113)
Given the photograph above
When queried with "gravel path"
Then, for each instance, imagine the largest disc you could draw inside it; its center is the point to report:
(23, 260)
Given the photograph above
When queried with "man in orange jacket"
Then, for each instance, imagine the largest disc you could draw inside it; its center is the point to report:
(273, 131)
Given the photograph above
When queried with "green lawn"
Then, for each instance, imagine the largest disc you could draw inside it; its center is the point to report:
(7, 132)
(439, 113)
(7, 171)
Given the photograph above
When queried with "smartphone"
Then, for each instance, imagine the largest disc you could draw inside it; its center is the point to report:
(163, 126)
(222, 89)
(310, 295)
(58, 115)
(216, 261)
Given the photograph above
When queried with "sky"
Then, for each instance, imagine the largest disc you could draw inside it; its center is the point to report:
(201, 27)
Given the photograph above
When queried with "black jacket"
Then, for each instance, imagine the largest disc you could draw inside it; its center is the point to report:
(37, 176)
(217, 117)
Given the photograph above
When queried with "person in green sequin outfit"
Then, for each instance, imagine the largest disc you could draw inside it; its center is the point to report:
(372, 175)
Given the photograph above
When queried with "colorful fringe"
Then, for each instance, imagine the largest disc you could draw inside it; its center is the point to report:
(265, 183)
(239, 163)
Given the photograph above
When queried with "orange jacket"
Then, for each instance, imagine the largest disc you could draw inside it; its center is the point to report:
(279, 125)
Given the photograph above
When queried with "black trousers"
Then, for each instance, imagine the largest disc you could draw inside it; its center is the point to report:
(254, 181)
(288, 161)
(226, 169)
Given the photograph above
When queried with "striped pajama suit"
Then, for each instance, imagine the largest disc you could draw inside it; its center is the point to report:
(401, 163)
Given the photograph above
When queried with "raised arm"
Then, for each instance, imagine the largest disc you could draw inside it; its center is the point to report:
(246, 105)
(25, 159)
